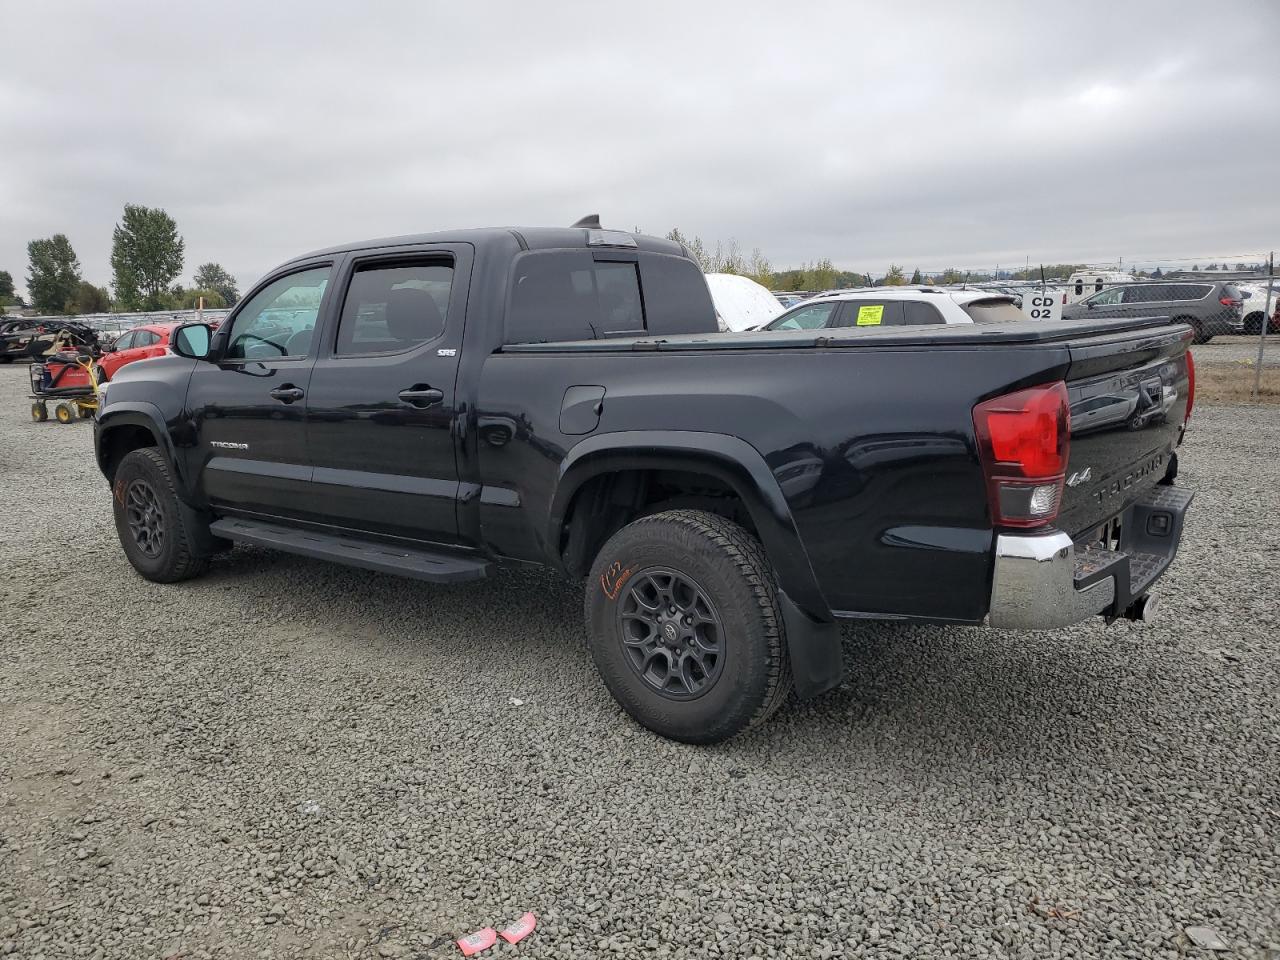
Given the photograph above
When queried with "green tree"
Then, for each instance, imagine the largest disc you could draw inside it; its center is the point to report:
(760, 269)
(7, 294)
(190, 299)
(821, 276)
(54, 275)
(896, 276)
(915, 276)
(212, 276)
(146, 255)
(89, 299)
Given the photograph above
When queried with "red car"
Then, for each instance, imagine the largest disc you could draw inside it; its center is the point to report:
(148, 340)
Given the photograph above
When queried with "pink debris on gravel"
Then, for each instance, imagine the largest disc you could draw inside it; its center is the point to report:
(520, 929)
(473, 943)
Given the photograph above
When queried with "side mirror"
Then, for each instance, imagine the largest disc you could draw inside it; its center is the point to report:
(191, 340)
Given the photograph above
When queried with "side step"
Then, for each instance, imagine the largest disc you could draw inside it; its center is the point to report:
(366, 554)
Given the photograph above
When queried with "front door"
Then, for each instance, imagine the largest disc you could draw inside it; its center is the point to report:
(1106, 303)
(381, 402)
(380, 406)
(248, 403)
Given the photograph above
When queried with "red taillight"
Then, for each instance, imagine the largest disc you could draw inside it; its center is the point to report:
(1191, 386)
(1023, 441)
(1229, 302)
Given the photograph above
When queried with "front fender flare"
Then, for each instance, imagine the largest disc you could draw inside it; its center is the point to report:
(137, 413)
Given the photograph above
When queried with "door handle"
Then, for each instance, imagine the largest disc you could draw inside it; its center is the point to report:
(287, 393)
(421, 395)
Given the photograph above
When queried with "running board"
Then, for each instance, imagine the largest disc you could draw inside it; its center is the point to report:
(366, 554)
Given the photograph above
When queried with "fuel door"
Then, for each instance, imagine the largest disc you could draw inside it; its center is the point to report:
(580, 411)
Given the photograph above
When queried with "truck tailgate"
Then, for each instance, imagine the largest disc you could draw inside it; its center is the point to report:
(1128, 394)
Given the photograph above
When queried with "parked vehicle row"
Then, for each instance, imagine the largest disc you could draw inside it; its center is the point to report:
(898, 307)
(1209, 307)
(446, 404)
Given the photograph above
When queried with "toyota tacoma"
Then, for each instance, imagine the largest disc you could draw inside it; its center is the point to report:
(443, 405)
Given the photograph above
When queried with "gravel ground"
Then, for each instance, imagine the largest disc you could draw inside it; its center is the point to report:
(289, 759)
(1239, 350)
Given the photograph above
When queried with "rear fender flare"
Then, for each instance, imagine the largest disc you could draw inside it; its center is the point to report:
(731, 460)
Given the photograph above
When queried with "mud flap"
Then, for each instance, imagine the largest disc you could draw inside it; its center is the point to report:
(817, 664)
(203, 543)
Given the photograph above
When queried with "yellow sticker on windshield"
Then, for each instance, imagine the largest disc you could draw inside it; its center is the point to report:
(870, 316)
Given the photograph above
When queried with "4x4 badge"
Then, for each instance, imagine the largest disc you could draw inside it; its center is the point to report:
(1079, 477)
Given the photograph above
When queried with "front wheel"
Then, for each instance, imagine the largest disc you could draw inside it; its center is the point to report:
(684, 626)
(149, 522)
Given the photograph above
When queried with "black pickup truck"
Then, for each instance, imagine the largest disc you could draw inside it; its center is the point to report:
(438, 406)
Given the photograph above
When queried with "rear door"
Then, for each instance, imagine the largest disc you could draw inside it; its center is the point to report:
(1148, 299)
(382, 397)
(248, 403)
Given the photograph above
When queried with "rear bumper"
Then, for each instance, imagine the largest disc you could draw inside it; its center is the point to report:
(1046, 580)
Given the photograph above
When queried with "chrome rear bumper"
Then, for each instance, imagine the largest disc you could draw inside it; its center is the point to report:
(1044, 580)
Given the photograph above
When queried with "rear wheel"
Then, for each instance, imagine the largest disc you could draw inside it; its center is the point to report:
(39, 411)
(684, 626)
(1196, 326)
(64, 413)
(152, 529)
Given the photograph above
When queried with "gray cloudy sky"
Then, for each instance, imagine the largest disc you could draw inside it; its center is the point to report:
(924, 134)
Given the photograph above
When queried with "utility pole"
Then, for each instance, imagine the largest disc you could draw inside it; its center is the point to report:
(1266, 322)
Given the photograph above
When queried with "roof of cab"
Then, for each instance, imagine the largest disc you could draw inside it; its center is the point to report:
(525, 238)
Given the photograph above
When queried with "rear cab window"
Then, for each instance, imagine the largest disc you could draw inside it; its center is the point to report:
(567, 295)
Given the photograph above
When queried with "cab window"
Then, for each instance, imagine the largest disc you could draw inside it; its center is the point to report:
(871, 313)
(392, 307)
(813, 317)
(279, 320)
(1107, 297)
(918, 313)
(566, 296)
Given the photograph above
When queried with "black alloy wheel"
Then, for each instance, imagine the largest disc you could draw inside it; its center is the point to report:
(670, 633)
(144, 518)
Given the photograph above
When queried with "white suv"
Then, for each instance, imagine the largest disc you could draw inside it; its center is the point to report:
(897, 306)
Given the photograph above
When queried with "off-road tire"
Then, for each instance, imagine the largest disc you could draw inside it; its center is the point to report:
(39, 411)
(732, 570)
(176, 560)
